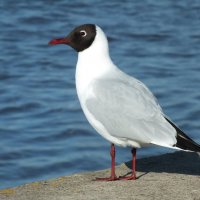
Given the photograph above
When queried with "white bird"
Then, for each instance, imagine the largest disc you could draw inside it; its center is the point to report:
(119, 107)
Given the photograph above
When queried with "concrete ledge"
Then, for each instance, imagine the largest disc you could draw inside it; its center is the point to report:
(172, 176)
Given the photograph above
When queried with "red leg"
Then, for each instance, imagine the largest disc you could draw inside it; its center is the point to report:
(113, 177)
(133, 175)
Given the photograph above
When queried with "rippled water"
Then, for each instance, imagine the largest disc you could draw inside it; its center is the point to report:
(43, 132)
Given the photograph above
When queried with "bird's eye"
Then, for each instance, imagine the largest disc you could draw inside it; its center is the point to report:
(83, 33)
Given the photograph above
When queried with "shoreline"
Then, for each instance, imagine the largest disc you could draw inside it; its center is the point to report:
(169, 176)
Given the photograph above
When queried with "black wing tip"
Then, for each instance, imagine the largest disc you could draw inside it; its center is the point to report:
(183, 141)
(186, 144)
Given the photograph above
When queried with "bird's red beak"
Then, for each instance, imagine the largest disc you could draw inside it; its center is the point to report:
(59, 41)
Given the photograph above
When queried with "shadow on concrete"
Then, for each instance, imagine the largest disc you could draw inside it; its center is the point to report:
(179, 162)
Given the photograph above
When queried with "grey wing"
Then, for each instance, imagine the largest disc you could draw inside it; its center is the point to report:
(128, 110)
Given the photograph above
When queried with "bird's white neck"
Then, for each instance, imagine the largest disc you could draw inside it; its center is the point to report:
(93, 62)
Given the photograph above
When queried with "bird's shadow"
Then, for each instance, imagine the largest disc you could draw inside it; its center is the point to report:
(178, 162)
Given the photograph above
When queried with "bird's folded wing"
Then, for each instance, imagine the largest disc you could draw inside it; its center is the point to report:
(128, 110)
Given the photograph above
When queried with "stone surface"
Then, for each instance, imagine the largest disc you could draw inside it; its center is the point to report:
(172, 176)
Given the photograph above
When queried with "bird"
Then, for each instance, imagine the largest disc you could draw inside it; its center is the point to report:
(118, 106)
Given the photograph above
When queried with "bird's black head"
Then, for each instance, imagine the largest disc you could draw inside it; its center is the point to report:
(79, 39)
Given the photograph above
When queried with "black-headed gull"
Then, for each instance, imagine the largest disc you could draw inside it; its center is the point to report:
(119, 107)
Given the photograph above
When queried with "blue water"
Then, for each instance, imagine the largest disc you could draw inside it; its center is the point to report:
(43, 132)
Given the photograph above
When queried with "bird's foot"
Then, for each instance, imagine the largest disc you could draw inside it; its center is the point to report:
(111, 178)
(132, 177)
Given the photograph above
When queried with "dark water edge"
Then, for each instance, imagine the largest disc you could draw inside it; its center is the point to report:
(43, 132)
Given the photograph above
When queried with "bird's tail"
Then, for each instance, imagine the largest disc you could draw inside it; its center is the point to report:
(183, 141)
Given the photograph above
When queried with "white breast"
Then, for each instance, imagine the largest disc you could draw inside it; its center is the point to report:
(92, 64)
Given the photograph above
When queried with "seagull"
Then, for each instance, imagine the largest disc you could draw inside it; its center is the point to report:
(118, 106)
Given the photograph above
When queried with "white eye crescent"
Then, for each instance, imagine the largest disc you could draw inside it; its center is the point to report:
(83, 33)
